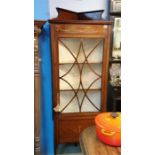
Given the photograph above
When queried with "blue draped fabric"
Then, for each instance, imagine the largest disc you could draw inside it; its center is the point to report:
(41, 12)
(46, 124)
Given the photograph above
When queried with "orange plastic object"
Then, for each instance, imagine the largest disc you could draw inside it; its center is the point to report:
(108, 128)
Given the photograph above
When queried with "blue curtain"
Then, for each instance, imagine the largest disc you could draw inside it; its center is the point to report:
(46, 126)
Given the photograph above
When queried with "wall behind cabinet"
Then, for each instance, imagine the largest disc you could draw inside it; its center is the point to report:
(41, 9)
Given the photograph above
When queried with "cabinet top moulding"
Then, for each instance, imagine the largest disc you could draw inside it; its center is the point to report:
(95, 22)
(70, 17)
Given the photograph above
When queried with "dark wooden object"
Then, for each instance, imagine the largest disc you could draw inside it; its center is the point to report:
(37, 30)
(64, 14)
(91, 145)
(68, 126)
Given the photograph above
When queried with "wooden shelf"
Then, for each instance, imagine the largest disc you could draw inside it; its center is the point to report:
(80, 89)
(68, 63)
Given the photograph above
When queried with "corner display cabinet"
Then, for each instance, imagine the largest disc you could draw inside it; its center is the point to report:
(80, 61)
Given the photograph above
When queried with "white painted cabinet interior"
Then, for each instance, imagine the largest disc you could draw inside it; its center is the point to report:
(80, 72)
(74, 45)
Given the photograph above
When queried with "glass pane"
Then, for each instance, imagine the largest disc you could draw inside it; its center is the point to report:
(70, 76)
(89, 74)
(71, 49)
(69, 102)
(93, 102)
(67, 99)
(68, 49)
(94, 50)
(80, 73)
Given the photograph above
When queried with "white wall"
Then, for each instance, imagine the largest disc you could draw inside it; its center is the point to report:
(77, 6)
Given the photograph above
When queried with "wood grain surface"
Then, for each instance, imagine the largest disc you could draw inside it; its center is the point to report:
(91, 145)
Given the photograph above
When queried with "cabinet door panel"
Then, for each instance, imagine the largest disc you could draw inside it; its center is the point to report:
(80, 74)
(71, 129)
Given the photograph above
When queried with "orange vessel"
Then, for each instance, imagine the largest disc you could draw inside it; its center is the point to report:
(108, 128)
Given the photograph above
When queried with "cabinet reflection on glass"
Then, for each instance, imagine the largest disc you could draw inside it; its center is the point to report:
(80, 73)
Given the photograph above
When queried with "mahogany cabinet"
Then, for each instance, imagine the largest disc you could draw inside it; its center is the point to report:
(80, 60)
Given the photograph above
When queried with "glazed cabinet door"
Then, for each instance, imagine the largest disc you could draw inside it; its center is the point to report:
(80, 74)
(80, 79)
